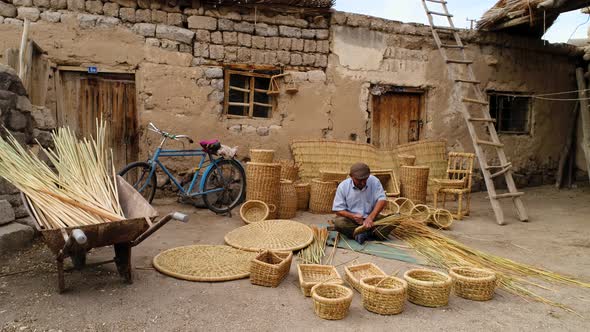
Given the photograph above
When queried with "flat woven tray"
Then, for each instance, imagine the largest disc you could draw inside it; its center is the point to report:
(204, 263)
(283, 235)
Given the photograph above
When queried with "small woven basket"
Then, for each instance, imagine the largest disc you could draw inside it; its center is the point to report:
(269, 268)
(262, 156)
(302, 190)
(405, 205)
(329, 175)
(313, 274)
(353, 274)
(420, 213)
(428, 288)
(406, 160)
(289, 170)
(414, 183)
(473, 283)
(384, 295)
(331, 301)
(441, 218)
(321, 197)
(287, 200)
(254, 211)
(263, 184)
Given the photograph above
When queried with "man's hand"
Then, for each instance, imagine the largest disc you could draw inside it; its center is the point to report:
(368, 222)
(358, 219)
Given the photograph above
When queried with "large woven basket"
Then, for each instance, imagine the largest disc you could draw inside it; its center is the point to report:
(321, 198)
(353, 274)
(388, 181)
(302, 190)
(428, 288)
(331, 301)
(263, 184)
(288, 200)
(262, 156)
(332, 175)
(269, 268)
(414, 183)
(406, 160)
(313, 274)
(289, 170)
(473, 283)
(384, 295)
(254, 211)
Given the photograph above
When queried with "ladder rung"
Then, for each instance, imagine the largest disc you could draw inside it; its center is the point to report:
(439, 14)
(481, 120)
(438, 1)
(502, 171)
(452, 46)
(498, 166)
(508, 195)
(467, 81)
(443, 28)
(475, 101)
(482, 142)
(465, 62)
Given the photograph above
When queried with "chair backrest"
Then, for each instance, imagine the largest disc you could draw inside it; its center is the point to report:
(460, 167)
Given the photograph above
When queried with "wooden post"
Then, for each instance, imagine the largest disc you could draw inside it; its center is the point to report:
(23, 46)
(584, 116)
(567, 149)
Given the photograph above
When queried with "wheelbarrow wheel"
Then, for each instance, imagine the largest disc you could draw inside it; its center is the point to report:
(137, 174)
(229, 176)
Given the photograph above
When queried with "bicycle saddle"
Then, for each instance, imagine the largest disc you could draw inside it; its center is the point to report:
(210, 146)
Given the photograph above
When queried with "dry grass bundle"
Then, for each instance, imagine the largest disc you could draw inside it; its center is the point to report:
(83, 192)
(314, 253)
(505, 10)
(514, 277)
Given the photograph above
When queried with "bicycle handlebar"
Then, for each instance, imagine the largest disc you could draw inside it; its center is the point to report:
(155, 129)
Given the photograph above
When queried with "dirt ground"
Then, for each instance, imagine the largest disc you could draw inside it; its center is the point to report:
(557, 238)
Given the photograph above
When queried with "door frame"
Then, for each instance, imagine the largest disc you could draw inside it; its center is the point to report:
(380, 90)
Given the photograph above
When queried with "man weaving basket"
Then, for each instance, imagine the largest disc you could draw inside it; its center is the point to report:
(359, 200)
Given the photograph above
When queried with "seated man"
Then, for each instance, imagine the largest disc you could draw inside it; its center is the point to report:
(359, 200)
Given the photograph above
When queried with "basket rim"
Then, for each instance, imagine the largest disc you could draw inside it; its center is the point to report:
(491, 275)
(302, 184)
(247, 205)
(417, 167)
(254, 163)
(335, 280)
(319, 298)
(408, 276)
(382, 290)
(283, 261)
(262, 150)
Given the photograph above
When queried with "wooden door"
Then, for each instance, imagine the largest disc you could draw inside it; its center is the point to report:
(396, 119)
(84, 98)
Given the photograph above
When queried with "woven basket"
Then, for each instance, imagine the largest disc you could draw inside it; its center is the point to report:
(390, 208)
(441, 218)
(414, 183)
(428, 288)
(405, 205)
(420, 213)
(254, 211)
(321, 197)
(287, 200)
(263, 184)
(313, 274)
(269, 268)
(388, 181)
(406, 160)
(331, 175)
(384, 295)
(331, 301)
(354, 274)
(262, 156)
(289, 170)
(302, 190)
(473, 284)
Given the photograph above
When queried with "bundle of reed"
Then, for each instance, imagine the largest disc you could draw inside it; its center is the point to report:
(82, 192)
(513, 277)
(314, 253)
(505, 10)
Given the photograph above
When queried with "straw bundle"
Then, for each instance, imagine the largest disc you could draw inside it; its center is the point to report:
(287, 200)
(506, 10)
(83, 192)
(322, 196)
(314, 253)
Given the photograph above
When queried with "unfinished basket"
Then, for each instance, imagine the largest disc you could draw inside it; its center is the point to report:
(414, 183)
(354, 274)
(420, 213)
(473, 283)
(254, 211)
(321, 198)
(405, 205)
(406, 160)
(331, 301)
(428, 288)
(263, 183)
(441, 218)
(390, 208)
(332, 175)
(289, 170)
(287, 200)
(384, 295)
(313, 274)
(262, 156)
(269, 268)
(302, 190)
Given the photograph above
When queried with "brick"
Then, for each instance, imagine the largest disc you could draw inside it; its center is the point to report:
(291, 21)
(76, 5)
(175, 33)
(244, 54)
(6, 188)
(319, 22)
(339, 18)
(244, 39)
(297, 45)
(52, 17)
(6, 212)
(13, 21)
(184, 48)
(7, 10)
(272, 43)
(230, 38)
(143, 15)
(321, 60)
(308, 33)
(175, 19)
(168, 9)
(152, 42)
(111, 9)
(245, 27)
(315, 76)
(258, 42)
(216, 96)
(258, 56)
(23, 3)
(203, 36)
(143, 4)
(225, 24)
(94, 7)
(216, 52)
(263, 29)
(144, 29)
(169, 45)
(323, 46)
(28, 13)
(285, 31)
(194, 11)
(309, 46)
(271, 58)
(202, 22)
(58, 4)
(308, 59)
(217, 37)
(231, 55)
(322, 34)
(201, 50)
(127, 15)
(15, 236)
(159, 16)
(283, 57)
(126, 3)
(43, 118)
(285, 44)
(296, 60)
(213, 72)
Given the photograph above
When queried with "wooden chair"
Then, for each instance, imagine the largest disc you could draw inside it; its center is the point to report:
(458, 182)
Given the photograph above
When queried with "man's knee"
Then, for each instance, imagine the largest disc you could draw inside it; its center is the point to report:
(342, 222)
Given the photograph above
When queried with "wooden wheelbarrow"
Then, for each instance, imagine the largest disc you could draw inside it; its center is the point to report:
(75, 242)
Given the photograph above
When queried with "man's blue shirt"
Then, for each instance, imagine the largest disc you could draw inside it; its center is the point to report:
(358, 201)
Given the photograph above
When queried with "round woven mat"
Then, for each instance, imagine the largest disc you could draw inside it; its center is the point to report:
(284, 235)
(204, 263)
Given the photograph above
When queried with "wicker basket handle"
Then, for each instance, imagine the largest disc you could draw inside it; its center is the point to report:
(386, 278)
(272, 208)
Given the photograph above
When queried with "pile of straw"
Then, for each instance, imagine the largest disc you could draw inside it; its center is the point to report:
(82, 191)
(314, 253)
(506, 10)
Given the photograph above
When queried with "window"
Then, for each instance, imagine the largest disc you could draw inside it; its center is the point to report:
(246, 94)
(512, 113)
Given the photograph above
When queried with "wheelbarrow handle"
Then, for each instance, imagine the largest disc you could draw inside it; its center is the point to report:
(174, 215)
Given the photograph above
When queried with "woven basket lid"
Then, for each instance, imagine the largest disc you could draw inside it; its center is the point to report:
(284, 235)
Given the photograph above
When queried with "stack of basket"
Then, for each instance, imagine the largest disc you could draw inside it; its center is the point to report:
(263, 178)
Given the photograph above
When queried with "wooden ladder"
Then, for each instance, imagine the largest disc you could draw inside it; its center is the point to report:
(474, 100)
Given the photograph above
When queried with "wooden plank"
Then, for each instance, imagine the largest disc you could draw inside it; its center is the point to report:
(102, 70)
(22, 49)
(11, 58)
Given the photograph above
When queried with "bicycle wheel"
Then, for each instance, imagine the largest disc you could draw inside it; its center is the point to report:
(137, 174)
(229, 175)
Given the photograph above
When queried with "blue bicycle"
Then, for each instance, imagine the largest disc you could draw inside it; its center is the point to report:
(222, 183)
